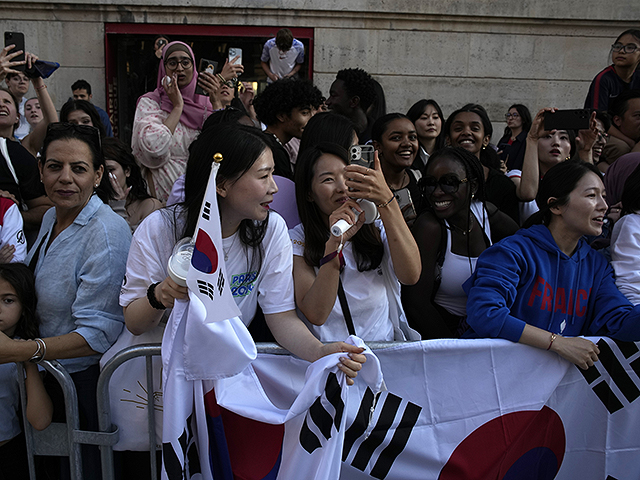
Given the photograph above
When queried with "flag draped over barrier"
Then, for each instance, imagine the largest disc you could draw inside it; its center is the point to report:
(454, 409)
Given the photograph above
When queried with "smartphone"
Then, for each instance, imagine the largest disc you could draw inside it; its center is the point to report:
(362, 155)
(567, 119)
(17, 39)
(408, 209)
(208, 66)
(233, 53)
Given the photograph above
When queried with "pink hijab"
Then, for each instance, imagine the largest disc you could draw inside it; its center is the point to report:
(196, 106)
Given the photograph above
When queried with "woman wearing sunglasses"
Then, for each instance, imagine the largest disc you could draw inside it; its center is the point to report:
(79, 262)
(621, 75)
(545, 286)
(168, 119)
(458, 226)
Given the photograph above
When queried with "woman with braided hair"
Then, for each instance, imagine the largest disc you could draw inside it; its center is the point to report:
(451, 234)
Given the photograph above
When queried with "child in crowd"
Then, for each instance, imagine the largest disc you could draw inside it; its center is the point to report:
(18, 319)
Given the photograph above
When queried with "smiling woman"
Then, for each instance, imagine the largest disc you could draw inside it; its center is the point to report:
(545, 285)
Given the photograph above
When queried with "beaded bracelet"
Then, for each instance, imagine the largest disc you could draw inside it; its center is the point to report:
(382, 205)
(153, 300)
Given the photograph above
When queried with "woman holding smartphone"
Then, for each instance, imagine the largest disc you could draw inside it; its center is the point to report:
(350, 283)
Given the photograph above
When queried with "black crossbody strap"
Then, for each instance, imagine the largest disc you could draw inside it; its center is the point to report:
(345, 309)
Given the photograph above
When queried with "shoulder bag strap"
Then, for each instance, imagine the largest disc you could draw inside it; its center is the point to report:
(345, 308)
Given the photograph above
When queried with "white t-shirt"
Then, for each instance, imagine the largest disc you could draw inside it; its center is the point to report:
(366, 294)
(153, 244)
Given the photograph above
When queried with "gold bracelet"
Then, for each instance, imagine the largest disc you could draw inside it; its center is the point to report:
(382, 205)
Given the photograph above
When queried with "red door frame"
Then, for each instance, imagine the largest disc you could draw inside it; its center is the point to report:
(177, 30)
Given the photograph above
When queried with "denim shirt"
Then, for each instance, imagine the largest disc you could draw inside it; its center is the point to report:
(78, 278)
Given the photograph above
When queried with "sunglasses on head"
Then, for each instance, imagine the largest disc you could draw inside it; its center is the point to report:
(86, 130)
(448, 184)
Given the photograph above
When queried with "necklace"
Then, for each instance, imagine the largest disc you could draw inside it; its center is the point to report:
(227, 250)
(462, 231)
(402, 182)
(276, 137)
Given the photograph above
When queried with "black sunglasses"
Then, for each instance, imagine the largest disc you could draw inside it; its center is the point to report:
(84, 130)
(447, 183)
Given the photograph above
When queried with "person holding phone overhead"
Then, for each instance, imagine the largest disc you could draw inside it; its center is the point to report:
(168, 119)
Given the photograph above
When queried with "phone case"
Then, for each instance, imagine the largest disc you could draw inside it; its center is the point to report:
(362, 155)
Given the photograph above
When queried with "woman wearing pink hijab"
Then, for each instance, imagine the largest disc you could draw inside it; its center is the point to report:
(168, 119)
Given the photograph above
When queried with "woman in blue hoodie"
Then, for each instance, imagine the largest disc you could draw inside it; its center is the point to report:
(545, 285)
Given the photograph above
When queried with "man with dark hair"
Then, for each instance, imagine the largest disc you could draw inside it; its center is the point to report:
(625, 116)
(282, 56)
(351, 94)
(81, 90)
(285, 107)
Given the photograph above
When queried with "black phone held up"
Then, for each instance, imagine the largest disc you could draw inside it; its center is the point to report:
(567, 119)
(208, 66)
(17, 39)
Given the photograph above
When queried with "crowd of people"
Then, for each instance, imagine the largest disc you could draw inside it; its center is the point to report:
(447, 235)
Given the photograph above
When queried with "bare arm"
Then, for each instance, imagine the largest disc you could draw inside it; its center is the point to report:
(292, 334)
(579, 351)
(39, 406)
(140, 316)
(35, 139)
(530, 178)
(316, 294)
(295, 70)
(70, 345)
(268, 72)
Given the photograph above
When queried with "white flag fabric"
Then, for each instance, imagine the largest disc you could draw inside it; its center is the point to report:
(454, 409)
(204, 339)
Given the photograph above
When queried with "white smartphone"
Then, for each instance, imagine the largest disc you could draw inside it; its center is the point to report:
(233, 53)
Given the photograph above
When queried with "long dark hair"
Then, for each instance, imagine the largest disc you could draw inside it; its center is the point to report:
(73, 105)
(240, 147)
(367, 244)
(90, 136)
(558, 183)
(21, 279)
(631, 193)
(416, 111)
(327, 127)
(114, 149)
(525, 115)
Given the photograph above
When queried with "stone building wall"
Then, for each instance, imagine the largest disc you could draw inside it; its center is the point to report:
(495, 52)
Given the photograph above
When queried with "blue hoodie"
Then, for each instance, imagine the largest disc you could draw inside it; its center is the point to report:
(525, 278)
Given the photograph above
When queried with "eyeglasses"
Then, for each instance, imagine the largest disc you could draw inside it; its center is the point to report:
(507, 116)
(602, 136)
(628, 48)
(91, 133)
(172, 63)
(447, 183)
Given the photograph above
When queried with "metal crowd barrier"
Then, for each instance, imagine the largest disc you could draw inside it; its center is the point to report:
(64, 439)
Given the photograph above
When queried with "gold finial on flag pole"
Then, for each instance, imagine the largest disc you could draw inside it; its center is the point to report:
(217, 157)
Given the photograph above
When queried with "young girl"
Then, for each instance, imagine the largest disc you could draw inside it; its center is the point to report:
(545, 286)
(366, 263)
(18, 320)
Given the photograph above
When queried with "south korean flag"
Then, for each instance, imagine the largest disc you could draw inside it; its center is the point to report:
(214, 324)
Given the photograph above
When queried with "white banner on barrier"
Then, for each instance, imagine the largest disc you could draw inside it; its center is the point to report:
(455, 409)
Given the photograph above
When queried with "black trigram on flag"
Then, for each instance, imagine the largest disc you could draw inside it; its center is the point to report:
(389, 408)
(185, 463)
(206, 211)
(323, 419)
(616, 362)
(220, 282)
(206, 288)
